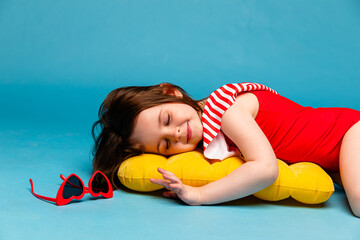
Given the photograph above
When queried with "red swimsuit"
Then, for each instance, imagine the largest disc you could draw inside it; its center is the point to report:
(296, 133)
(299, 134)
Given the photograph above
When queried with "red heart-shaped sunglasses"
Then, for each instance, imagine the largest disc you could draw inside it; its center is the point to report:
(73, 188)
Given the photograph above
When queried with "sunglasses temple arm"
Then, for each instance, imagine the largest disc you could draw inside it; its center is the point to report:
(39, 196)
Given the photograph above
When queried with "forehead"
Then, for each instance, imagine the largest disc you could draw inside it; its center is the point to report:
(148, 117)
(145, 128)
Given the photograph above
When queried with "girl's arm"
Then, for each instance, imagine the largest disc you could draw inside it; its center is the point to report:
(259, 171)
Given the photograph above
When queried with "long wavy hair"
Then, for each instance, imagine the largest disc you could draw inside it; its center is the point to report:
(116, 114)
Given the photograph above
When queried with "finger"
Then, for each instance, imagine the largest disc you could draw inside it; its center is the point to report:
(163, 171)
(171, 178)
(176, 187)
(169, 175)
(170, 194)
(166, 179)
(162, 182)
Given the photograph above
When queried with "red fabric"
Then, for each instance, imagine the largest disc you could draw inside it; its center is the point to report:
(218, 102)
(299, 134)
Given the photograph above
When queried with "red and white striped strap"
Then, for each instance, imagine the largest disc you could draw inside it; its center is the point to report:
(218, 102)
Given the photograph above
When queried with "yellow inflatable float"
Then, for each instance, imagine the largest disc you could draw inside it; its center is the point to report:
(306, 182)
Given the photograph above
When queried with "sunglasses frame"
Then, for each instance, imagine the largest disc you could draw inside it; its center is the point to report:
(59, 200)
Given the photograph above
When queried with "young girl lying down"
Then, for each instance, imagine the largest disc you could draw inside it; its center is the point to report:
(247, 118)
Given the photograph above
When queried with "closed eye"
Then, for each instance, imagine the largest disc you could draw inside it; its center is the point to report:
(167, 144)
(168, 120)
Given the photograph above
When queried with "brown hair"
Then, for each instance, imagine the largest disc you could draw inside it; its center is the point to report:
(116, 121)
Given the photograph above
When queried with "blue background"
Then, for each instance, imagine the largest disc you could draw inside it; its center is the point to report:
(59, 59)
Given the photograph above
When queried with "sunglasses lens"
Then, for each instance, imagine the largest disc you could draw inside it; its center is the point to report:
(73, 187)
(99, 184)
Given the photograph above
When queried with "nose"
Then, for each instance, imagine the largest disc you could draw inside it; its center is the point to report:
(177, 133)
(174, 133)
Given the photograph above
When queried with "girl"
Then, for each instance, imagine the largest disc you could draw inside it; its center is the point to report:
(247, 118)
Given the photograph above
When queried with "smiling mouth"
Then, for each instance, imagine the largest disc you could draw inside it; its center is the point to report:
(189, 133)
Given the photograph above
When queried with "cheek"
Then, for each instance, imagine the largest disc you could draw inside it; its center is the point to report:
(199, 127)
(180, 148)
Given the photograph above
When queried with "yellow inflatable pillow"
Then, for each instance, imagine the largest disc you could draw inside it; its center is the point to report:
(306, 182)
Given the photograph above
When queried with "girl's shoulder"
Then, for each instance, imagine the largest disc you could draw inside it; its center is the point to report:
(247, 102)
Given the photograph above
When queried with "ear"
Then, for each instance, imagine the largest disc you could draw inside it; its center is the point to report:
(170, 90)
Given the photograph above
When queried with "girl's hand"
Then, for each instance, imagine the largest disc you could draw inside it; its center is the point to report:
(188, 194)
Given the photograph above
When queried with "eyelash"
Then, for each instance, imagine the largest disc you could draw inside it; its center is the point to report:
(167, 144)
(168, 120)
(167, 140)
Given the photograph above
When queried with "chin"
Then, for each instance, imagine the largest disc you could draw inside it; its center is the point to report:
(193, 148)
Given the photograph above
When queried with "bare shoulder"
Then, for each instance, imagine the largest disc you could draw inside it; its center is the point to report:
(238, 123)
(247, 102)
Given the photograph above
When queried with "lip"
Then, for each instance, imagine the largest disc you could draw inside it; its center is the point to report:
(189, 132)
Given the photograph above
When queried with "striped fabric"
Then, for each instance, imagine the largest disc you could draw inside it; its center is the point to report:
(218, 102)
